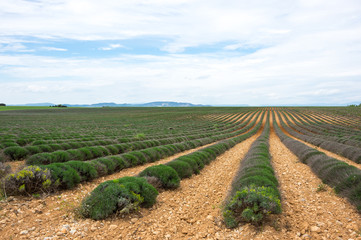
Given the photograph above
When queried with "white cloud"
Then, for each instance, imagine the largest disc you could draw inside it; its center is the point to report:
(14, 47)
(194, 78)
(307, 49)
(234, 46)
(111, 47)
(54, 49)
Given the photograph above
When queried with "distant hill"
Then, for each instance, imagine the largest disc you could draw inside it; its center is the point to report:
(151, 104)
(111, 104)
(36, 104)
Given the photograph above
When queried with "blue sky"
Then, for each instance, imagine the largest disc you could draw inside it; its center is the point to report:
(210, 52)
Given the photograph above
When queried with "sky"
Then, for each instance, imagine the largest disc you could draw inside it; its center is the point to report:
(260, 52)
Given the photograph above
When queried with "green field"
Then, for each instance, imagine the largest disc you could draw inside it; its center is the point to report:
(64, 148)
(10, 108)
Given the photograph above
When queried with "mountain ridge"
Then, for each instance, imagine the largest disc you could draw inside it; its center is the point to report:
(112, 104)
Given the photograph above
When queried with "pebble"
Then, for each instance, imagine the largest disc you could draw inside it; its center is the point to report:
(297, 204)
(210, 217)
(113, 226)
(66, 226)
(315, 229)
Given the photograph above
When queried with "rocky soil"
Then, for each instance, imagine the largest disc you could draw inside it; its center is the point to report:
(310, 210)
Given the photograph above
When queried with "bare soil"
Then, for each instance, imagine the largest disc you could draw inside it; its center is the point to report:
(194, 210)
(310, 210)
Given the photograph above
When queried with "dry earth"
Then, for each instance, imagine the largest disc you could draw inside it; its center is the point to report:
(194, 210)
(307, 212)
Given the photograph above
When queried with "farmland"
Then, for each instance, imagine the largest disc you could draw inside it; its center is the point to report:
(181, 173)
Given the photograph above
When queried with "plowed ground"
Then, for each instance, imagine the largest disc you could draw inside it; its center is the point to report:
(194, 210)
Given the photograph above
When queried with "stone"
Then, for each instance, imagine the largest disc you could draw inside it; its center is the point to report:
(306, 236)
(66, 226)
(134, 220)
(315, 229)
(113, 227)
(24, 232)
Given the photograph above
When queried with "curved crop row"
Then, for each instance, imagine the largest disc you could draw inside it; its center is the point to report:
(320, 131)
(104, 166)
(345, 179)
(337, 119)
(24, 140)
(42, 151)
(340, 136)
(350, 152)
(166, 176)
(88, 153)
(326, 127)
(18, 153)
(65, 175)
(254, 192)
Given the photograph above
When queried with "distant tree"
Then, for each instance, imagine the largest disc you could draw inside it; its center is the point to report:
(59, 105)
(354, 105)
(2, 105)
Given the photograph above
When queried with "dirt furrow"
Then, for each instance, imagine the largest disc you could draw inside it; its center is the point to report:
(330, 154)
(311, 210)
(18, 214)
(54, 216)
(190, 212)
